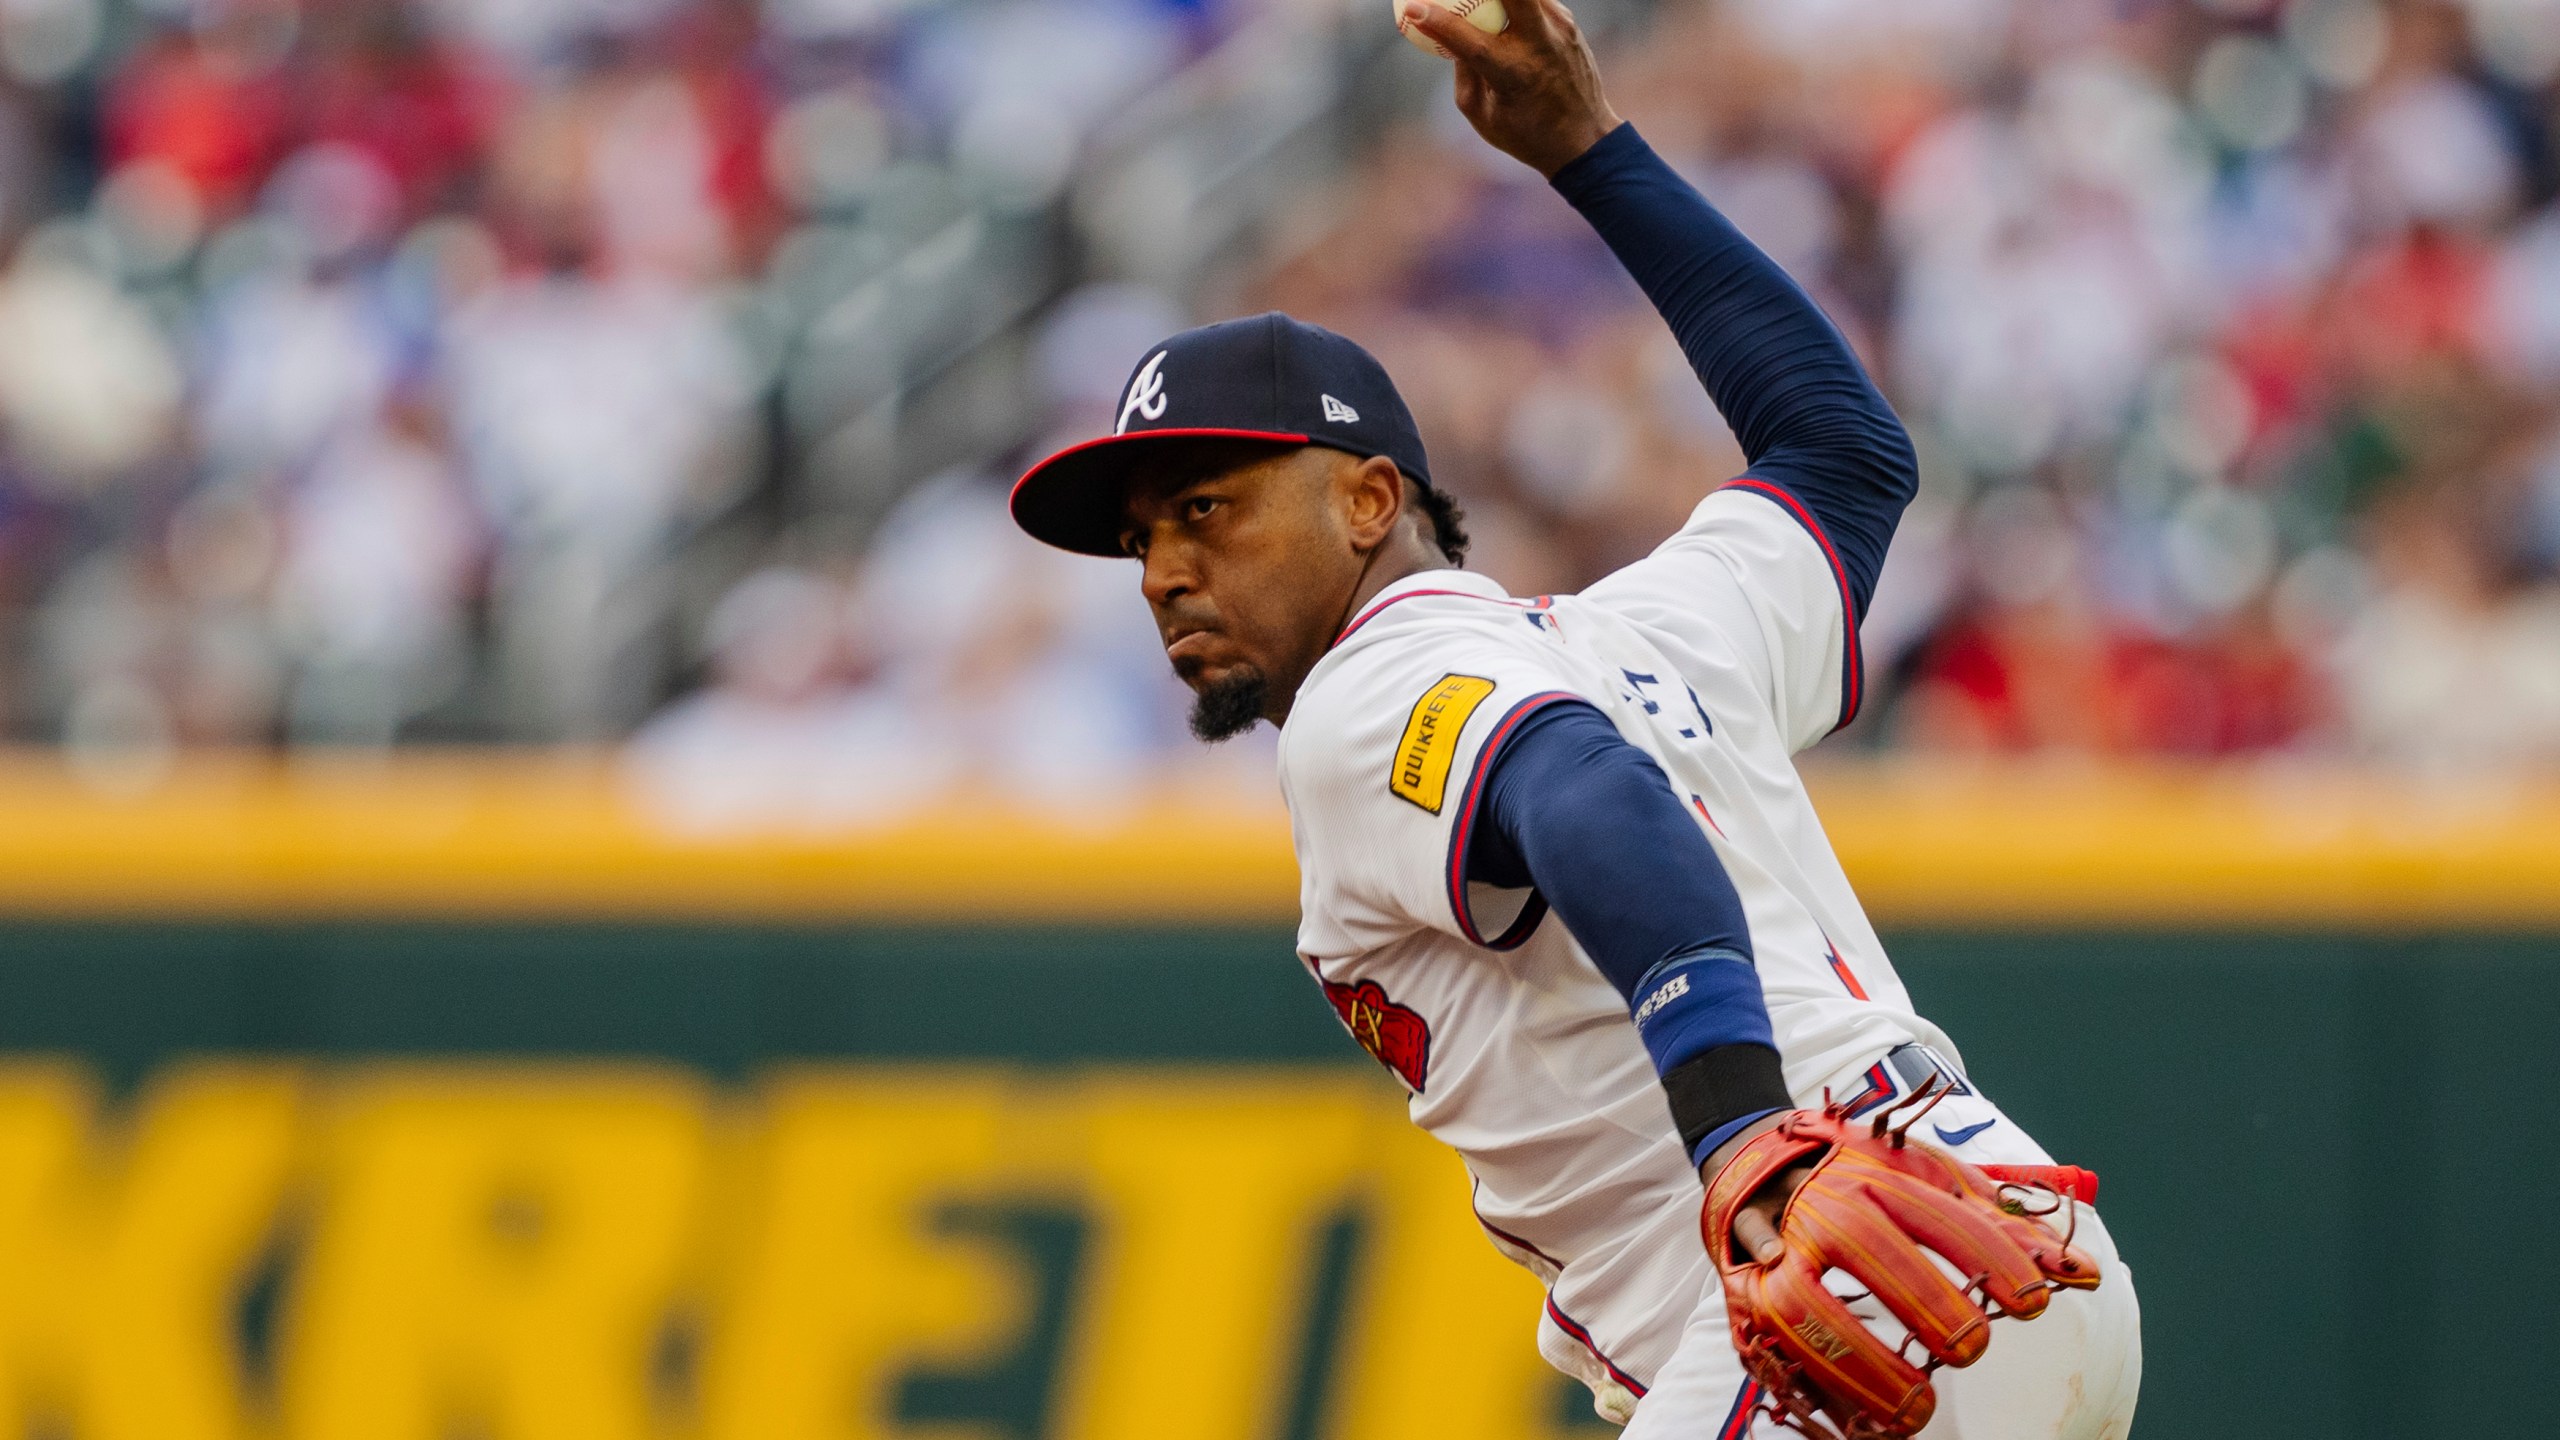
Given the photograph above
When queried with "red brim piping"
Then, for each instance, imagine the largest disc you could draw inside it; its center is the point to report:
(1057, 501)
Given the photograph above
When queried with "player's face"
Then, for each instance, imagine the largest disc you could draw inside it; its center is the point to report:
(1247, 565)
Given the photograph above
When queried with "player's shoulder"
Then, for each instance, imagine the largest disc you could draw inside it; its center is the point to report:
(1755, 520)
(1417, 631)
(1751, 577)
(1744, 545)
(1418, 674)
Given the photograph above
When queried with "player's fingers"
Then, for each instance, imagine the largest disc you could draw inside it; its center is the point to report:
(2010, 1256)
(1454, 33)
(1755, 1230)
(1471, 89)
(1864, 1241)
(1841, 1357)
(1538, 19)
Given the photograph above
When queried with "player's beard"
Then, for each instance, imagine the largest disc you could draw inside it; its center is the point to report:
(1226, 708)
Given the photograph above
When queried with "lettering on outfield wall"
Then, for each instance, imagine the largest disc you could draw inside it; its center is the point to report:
(505, 1250)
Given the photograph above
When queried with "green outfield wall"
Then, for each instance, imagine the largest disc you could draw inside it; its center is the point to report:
(2324, 1155)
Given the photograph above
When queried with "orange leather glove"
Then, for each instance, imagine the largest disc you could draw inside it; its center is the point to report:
(1875, 1207)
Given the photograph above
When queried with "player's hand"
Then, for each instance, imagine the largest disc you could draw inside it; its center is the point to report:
(1898, 1219)
(1533, 91)
(1755, 1225)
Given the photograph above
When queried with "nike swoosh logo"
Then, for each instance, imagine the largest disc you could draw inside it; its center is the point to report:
(1958, 1137)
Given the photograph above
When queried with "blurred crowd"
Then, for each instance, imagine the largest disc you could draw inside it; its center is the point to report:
(387, 371)
(2229, 330)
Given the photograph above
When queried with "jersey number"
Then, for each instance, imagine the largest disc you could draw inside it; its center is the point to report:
(1653, 707)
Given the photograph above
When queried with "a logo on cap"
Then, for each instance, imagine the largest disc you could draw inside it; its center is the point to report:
(1338, 413)
(1146, 394)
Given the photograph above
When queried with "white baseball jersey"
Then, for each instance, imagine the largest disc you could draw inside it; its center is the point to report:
(1720, 655)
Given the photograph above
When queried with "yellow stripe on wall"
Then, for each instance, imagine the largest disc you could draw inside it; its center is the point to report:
(561, 835)
(535, 835)
(2026, 845)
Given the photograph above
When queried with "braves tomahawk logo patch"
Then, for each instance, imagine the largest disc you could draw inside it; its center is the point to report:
(1397, 1037)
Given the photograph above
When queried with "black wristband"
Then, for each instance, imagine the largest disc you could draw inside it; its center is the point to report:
(1722, 1085)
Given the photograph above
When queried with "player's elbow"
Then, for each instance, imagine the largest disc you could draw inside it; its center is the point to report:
(1871, 441)
(1865, 452)
(1897, 460)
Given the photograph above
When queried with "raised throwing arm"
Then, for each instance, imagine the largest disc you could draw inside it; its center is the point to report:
(1810, 420)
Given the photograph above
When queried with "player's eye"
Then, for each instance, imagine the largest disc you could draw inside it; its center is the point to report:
(1134, 544)
(1199, 506)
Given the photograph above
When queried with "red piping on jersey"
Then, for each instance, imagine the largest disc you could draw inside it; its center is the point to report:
(1880, 1087)
(1737, 1421)
(1532, 910)
(1852, 676)
(1365, 616)
(1505, 1236)
(1840, 968)
(1712, 825)
(1536, 908)
(1568, 1325)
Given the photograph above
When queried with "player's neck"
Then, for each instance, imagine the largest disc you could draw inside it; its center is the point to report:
(1384, 567)
(1390, 564)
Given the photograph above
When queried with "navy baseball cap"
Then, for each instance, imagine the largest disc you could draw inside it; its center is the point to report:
(1267, 378)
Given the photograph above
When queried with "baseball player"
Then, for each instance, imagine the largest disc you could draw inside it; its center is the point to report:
(1559, 873)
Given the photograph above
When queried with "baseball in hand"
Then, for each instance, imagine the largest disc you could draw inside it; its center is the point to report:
(1485, 15)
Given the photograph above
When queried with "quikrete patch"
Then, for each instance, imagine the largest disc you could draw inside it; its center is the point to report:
(1421, 772)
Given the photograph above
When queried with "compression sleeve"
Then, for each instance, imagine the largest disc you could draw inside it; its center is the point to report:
(1810, 421)
(1592, 823)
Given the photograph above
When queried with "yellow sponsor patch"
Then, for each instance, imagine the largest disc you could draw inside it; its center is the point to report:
(1430, 741)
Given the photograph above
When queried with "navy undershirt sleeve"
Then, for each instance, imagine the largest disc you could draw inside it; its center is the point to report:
(1810, 421)
(1591, 823)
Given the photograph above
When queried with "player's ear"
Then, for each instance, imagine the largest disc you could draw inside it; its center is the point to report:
(1370, 494)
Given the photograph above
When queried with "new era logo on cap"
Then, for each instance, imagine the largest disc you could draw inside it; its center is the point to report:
(1265, 379)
